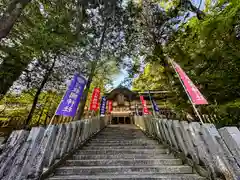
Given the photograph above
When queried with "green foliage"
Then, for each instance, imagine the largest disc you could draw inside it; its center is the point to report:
(152, 78)
(205, 45)
(19, 105)
(87, 37)
(94, 38)
(208, 51)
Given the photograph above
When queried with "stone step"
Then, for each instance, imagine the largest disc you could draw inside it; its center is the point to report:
(122, 138)
(91, 144)
(139, 176)
(120, 135)
(150, 142)
(98, 170)
(123, 147)
(110, 127)
(123, 156)
(122, 132)
(123, 162)
(122, 151)
(124, 141)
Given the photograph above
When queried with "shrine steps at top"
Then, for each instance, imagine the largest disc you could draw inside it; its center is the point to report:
(123, 152)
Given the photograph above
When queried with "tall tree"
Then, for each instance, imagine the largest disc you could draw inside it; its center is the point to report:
(10, 16)
(44, 27)
(106, 37)
(158, 27)
(46, 76)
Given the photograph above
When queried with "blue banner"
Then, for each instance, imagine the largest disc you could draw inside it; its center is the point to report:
(155, 106)
(69, 104)
(103, 106)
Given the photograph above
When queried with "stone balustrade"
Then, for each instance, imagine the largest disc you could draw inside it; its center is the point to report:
(214, 153)
(26, 155)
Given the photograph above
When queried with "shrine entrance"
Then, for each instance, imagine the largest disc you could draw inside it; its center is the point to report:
(121, 120)
(123, 105)
(126, 103)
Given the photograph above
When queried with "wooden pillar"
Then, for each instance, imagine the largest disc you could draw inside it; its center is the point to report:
(124, 120)
(55, 119)
(60, 120)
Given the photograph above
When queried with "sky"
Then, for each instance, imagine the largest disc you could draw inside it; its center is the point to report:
(120, 77)
(197, 2)
(124, 74)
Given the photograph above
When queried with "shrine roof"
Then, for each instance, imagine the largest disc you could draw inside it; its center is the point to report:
(132, 95)
(121, 90)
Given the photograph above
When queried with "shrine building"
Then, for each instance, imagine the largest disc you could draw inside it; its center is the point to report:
(126, 103)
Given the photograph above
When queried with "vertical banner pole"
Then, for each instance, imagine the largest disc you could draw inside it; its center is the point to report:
(56, 110)
(136, 109)
(193, 105)
(150, 98)
(92, 113)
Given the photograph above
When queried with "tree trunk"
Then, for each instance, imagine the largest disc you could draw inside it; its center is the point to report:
(39, 90)
(48, 111)
(90, 78)
(10, 16)
(42, 110)
(11, 68)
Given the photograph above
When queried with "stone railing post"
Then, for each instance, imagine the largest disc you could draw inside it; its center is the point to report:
(26, 155)
(212, 152)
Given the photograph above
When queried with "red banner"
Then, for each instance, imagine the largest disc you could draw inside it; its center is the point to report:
(194, 93)
(110, 106)
(95, 100)
(144, 104)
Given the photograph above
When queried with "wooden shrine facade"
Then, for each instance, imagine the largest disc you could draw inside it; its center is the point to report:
(126, 103)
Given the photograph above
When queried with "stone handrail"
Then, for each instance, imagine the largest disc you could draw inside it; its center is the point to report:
(26, 155)
(214, 153)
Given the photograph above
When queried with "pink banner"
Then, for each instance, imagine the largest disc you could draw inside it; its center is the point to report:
(144, 104)
(194, 93)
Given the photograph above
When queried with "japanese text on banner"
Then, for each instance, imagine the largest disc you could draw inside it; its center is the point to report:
(95, 99)
(68, 105)
(103, 106)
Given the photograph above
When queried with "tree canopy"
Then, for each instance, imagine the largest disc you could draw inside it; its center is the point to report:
(208, 50)
(43, 43)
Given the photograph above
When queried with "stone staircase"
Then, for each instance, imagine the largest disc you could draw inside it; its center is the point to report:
(123, 152)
